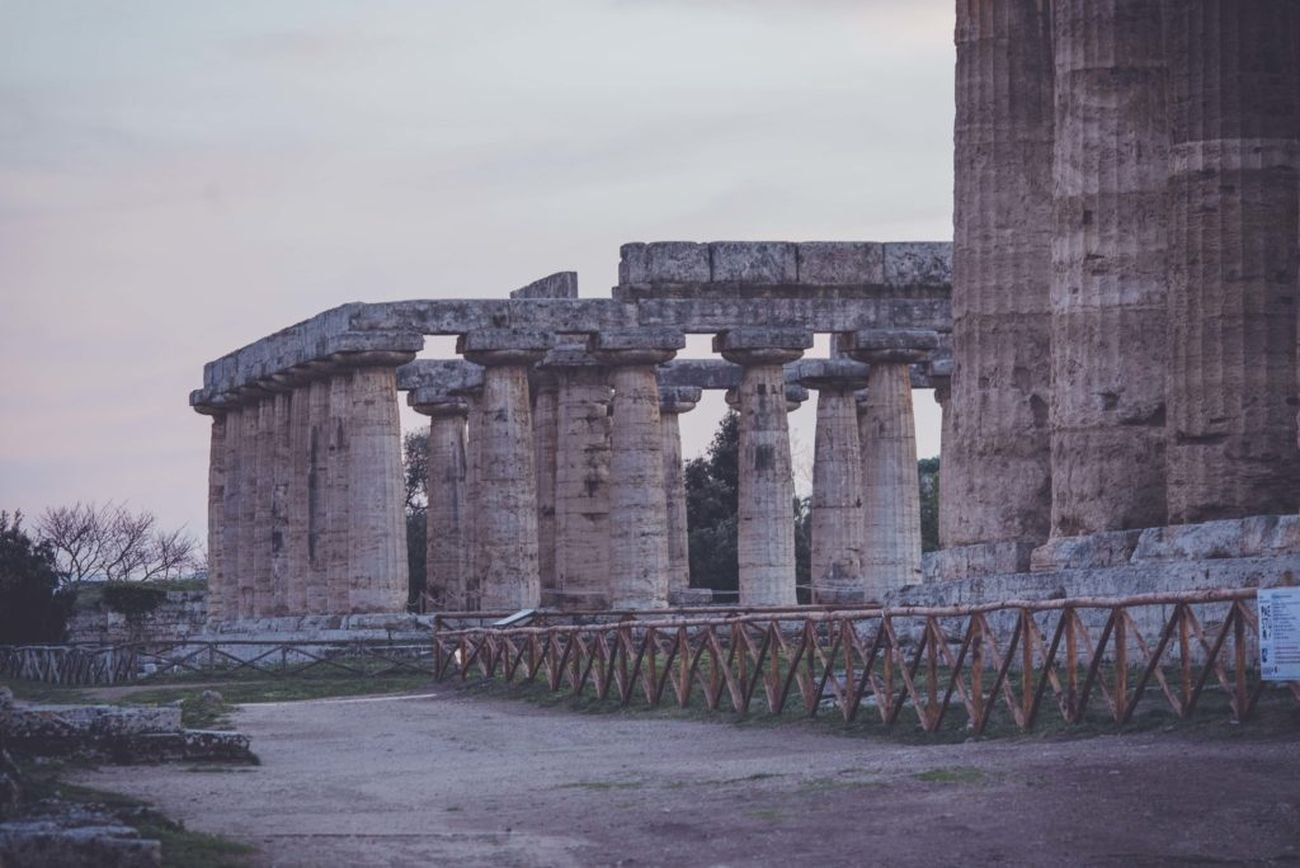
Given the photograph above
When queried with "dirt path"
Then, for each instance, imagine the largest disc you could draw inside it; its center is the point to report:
(452, 778)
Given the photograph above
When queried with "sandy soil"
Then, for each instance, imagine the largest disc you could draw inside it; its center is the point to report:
(452, 778)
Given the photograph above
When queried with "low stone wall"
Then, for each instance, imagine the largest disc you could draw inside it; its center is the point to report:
(180, 615)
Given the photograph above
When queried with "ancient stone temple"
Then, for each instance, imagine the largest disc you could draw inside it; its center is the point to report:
(555, 459)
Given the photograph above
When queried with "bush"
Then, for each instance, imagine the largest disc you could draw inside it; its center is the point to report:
(133, 601)
(32, 609)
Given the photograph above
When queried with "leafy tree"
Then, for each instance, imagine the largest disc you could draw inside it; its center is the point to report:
(928, 471)
(32, 608)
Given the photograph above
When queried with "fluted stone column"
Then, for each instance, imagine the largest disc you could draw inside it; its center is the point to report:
(473, 494)
(338, 498)
(838, 525)
(446, 558)
(638, 504)
(263, 488)
(298, 495)
(765, 518)
(1108, 261)
(582, 481)
(892, 498)
(377, 558)
(232, 509)
(217, 450)
(507, 558)
(998, 470)
(544, 388)
(674, 401)
(277, 603)
(318, 499)
(1233, 258)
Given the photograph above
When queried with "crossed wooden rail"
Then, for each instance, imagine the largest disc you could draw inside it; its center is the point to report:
(1007, 654)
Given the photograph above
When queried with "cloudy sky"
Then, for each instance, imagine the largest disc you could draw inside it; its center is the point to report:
(180, 178)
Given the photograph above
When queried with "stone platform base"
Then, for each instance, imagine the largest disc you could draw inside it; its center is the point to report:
(1248, 552)
(396, 626)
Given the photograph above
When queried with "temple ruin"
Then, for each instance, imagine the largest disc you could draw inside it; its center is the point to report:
(1111, 336)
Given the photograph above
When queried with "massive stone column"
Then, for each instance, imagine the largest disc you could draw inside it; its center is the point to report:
(446, 558)
(582, 481)
(506, 518)
(765, 519)
(838, 525)
(377, 559)
(949, 509)
(1108, 261)
(318, 482)
(338, 499)
(638, 504)
(277, 604)
(473, 493)
(237, 459)
(1235, 88)
(673, 401)
(891, 488)
(218, 449)
(998, 469)
(263, 488)
(544, 387)
(299, 497)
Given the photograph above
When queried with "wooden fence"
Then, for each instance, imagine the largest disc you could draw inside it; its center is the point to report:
(1012, 655)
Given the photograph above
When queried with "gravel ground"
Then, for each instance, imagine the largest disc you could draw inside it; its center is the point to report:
(454, 778)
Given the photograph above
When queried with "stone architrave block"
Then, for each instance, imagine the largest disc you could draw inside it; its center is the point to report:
(748, 338)
(766, 262)
(562, 284)
(446, 374)
(654, 338)
(841, 263)
(488, 340)
(918, 263)
(664, 262)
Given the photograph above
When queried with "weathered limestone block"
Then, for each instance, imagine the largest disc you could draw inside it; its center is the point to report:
(999, 467)
(639, 559)
(377, 560)
(562, 284)
(338, 498)
(231, 506)
(887, 430)
(506, 502)
(582, 484)
(262, 488)
(1235, 127)
(838, 524)
(1108, 260)
(217, 518)
(247, 500)
(298, 499)
(765, 519)
(545, 390)
(941, 380)
(753, 262)
(473, 497)
(446, 557)
(673, 402)
(841, 263)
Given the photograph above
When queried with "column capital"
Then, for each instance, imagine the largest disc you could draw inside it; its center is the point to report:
(504, 347)
(892, 346)
(762, 346)
(436, 402)
(646, 346)
(795, 395)
(678, 399)
(372, 358)
(832, 375)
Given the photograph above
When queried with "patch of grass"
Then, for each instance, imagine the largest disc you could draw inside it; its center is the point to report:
(35, 691)
(952, 775)
(601, 785)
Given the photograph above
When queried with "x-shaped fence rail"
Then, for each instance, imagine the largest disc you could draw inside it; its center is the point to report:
(1009, 654)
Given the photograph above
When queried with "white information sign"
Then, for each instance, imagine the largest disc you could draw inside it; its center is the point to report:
(1279, 634)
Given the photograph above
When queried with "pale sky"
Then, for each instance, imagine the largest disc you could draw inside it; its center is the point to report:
(180, 178)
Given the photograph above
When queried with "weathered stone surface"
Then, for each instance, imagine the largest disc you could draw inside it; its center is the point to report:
(829, 374)
(447, 375)
(1108, 267)
(842, 263)
(318, 494)
(892, 498)
(562, 284)
(263, 489)
(1235, 126)
(544, 387)
(893, 346)
(338, 502)
(664, 262)
(298, 495)
(979, 559)
(754, 262)
(629, 340)
(582, 488)
(446, 558)
(283, 569)
(672, 403)
(528, 344)
(780, 341)
(720, 374)
(917, 263)
(180, 614)
(91, 840)
(217, 567)
(1000, 463)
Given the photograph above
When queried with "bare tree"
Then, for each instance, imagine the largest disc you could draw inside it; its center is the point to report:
(111, 542)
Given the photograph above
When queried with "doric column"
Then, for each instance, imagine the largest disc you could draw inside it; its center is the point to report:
(673, 401)
(446, 558)
(277, 603)
(1235, 101)
(638, 503)
(238, 461)
(263, 488)
(582, 481)
(544, 387)
(298, 496)
(473, 493)
(1109, 267)
(1000, 463)
(765, 518)
(891, 490)
(338, 500)
(838, 526)
(218, 448)
(377, 558)
(506, 560)
(318, 490)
